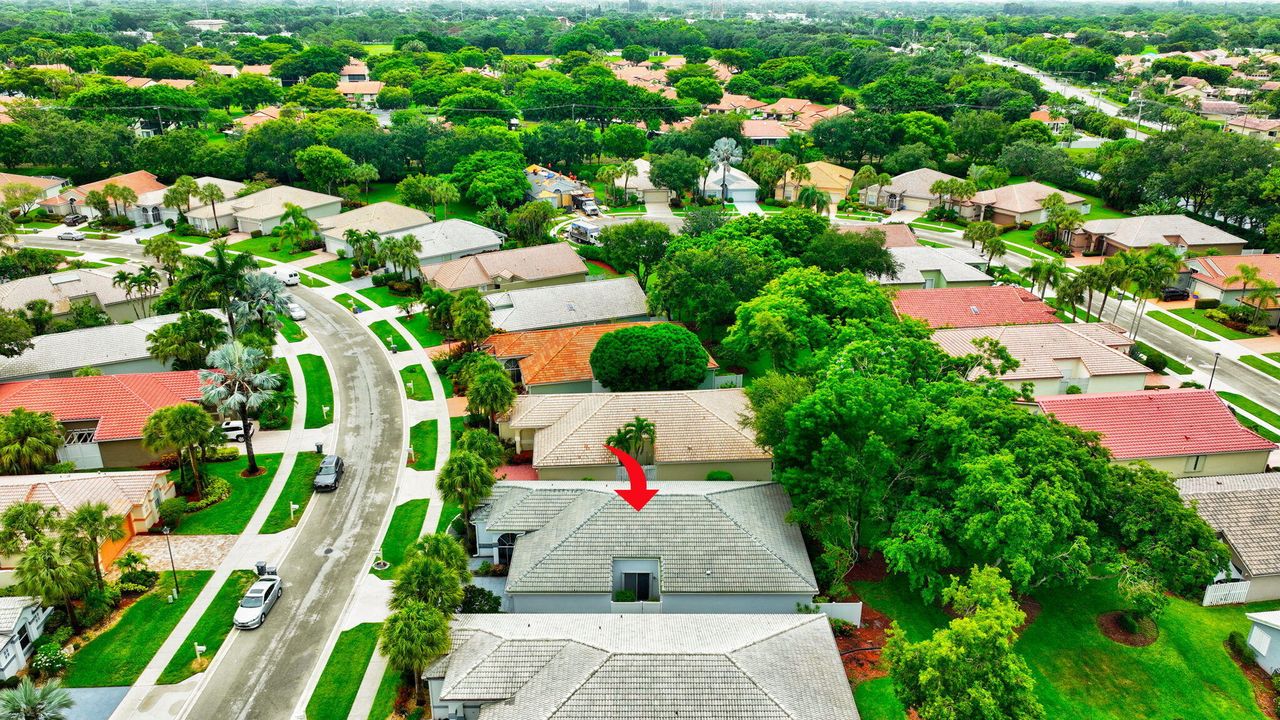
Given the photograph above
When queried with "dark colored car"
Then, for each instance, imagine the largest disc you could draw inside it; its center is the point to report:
(1174, 293)
(329, 474)
(74, 220)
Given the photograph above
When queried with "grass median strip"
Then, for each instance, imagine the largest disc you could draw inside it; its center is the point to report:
(1267, 416)
(384, 703)
(1197, 317)
(297, 490)
(389, 336)
(319, 390)
(1190, 331)
(1174, 364)
(349, 302)
(118, 656)
(291, 330)
(335, 270)
(403, 530)
(419, 326)
(336, 692)
(1261, 365)
(417, 386)
(423, 438)
(210, 630)
(230, 516)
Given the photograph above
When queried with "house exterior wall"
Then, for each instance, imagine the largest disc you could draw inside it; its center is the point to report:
(429, 258)
(1090, 385)
(13, 657)
(939, 282)
(266, 225)
(124, 453)
(1270, 660)
(1265, 587)
(679, 603)
(1242, 463)
(558, 602)
(526, 284)
(582, 386)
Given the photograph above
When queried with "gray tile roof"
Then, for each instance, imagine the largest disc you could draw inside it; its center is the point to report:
(694, 667)
(1151, 230)
(1243, 509)
(11, 610)
(1037, 349)
(711, 537)
(582, 303)
(955, 265)
(452, 236)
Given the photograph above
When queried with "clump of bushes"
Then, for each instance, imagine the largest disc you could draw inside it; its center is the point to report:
(171, 512)
(215, 491)
(1207, 303)
(720, 476)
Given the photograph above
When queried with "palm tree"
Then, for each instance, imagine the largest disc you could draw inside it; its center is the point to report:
(144, 284)
(1070, 292)
(39, 314)
(402, 252)
(1262, 297)
(361, 243)
(412, 638)
(443, 194)
(443, 547)
(724, 152)
(627, 168)
(429, 580)
(237, 383)
(178, 196)
(97, 200)
(88, 527)
(166, 251)
(29, 441)
(221, 276)
(1246, 275)
(638, 438)
(263, 298)
(466, 481)
(28, 702)
(8, 234)
(979, 232)
(182, 428)
(211, 194)
(363, 174)
(1125, 267)
(993, 246)
(811, 197)
(24, 522)
(490, 393)
(296, 228)
(798, 174)
(50, 571)
(1157, 269)
(123, 279)
(1045, 272)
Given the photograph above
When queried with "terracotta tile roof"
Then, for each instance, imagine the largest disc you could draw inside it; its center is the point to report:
(1253, 123)
(1215, 270)
(360, 87)
(121, 491)
(558, 355)
(1242, 508)
(895, 234)
(1044, 116)
(1022, 197)
(257, 69)
(764, 129)
(825, 176)
(139, 181)
(539, 262)
(41, 182)
(734, 103)
(974, 306)
(1163, 423)
(120, 403)
(1038, 348)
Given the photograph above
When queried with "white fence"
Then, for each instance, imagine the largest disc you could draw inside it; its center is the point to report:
(1226, 593)
(849, 612)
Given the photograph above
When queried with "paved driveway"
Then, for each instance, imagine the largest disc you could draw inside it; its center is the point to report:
(748, 207)
(94, 703)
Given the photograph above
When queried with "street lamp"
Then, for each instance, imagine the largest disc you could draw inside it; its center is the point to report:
(172, 566)
(1214, 371)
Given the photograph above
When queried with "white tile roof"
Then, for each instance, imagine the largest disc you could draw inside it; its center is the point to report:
(63, 288)
(915, 183)
(1022, 197)
(229, 189)
(1243, 509)
(539, 262)
(268, 203)
(453, 236)
(955, 265)
(381, 217)
(691, 426)
(1149, 230)
(737, 179)
(11, 611)
(1037, 347)
(581, 303)
(710, 537)
(67, 491)
(700, 667)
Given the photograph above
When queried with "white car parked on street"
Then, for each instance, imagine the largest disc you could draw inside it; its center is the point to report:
(296, 312)
(257, 603)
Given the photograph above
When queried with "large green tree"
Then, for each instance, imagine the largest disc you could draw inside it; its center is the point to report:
(238, 383)
(412, 637)
(664, 356)
(635, 247)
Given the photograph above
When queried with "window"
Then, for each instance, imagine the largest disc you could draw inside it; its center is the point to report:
(78, 437)
(1195, 463)
(637, 583)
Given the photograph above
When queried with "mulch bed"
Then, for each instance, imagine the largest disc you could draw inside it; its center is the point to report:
(870, 567)
(261, 471)
(1264, 689)
(860, 651)
(604, 266)
(1113, 627)
(1031, 608)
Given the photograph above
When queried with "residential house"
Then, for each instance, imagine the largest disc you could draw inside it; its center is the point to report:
(385, 218)
(72, 201)
(143, 82)
(784, 109)
(262, 211)
(1209, 278)
(134, 494)
(1241, 509)
(354, 71)
(562, 191)
(117, 349)
(1194, 82)
(546, 362)
(453, 238)
(22, 620)
(208, 24)
(226, 71)
(765, 132)
(732, 184)
(698, 432)
(640, 184)
(896, 234)
(908, 191)
(92, 285)
(1265, 128)
(966, 307)
(929, 267)
(730, 103)
(1264, 639)
(1110, 236)
(1185, 432)
(102, 415)
(361, 94)
(812, 113)
(1053, 358)
(151, 210)
(578, 547)
(1055, 123)
(46, 186)
(248, 122)
(829, 178)
(552, 306)
(1020, 202)
(538, 667)
(263, 70)
(490, 272)
(1221, 111)
(1189, 95)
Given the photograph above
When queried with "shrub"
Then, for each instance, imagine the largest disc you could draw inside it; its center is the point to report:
(57, 638)
(1238, 644)
(591, 252)
(1156, 361)
(841, 628)
(170, 223)
(1074, 390)
(1258, 330)
(223, 454)
(132, 589)
(485, 568)
(99, 602)
(401, 287)
(720, 476)
(1217, 316)
(255, 233)
(1207, 303)
(1239, 313)
(476, 599)
(622, 596)
(1128, 622)
(1191, 384)
(50, 660)
(143, 578)
(171, 512)
(215, 491)
(382, 279)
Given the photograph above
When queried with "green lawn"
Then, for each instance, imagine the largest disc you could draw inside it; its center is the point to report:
(419, 326)
(311, 282)
(381, 296)
(335, 270)
(118, 656)
(405, 528)
(1258, 363)
(1176, 365)
(1027, 239)
(1197, 317)
(384, 702)
(937, 225)
(1267, 416)
(336, 692)
(378, 48)
(319, 390)
(90, 264)
(261, 246)
(423, 438)
(115, 260)
(389, 336)
(1080, 674)
(447, 515)
(595, 267)
(211, 629)
(297, 490)
(291, 330)
(1264, 432)
(349, 302)
(417, 375)
(379, 192)
(281, 368)
(1188, 330)
(69, 253)
(230, 516)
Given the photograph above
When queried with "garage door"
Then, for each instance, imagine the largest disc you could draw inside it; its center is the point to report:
(656, 195)
(1003, 219)
(739, 195)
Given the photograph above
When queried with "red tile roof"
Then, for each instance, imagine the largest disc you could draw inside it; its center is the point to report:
(120, 403)
(895, 234)
(974, 307)
(1215, 270)
(1163, 423)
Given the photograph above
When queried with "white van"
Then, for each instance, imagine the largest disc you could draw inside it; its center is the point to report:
(286, 275)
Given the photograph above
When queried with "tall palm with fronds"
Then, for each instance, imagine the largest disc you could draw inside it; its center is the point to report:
(798, 174)
(1157, 268)
(1070, 291)
(638, 438)
(296, 227)
(1045, 272)
(178, 196)
(211, 194)
(724, 153)
(813, 198)
(145, 285)
(39, 314)
(466, 481)
(1125, 266)
(8, 234)
(361, 243)
(402, 253)
(28, 702)
(1246, 275)
(166, 251)
(50, 570)
(239, 384)
(221, 277)
(443, 194)
(1262, 297)
(489, 393)
(262, 301)
(183, 429)
(29, 441)
(88, 527)
(412, 638)
(22, 523)
(123, 280)
(993, 246)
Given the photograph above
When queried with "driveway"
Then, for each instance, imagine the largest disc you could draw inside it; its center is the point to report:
(657, 209)
(94, 703)
(748, 207)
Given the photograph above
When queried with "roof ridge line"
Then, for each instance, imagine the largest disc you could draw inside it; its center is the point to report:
(585, 398)
(572, 530)
(752, 535)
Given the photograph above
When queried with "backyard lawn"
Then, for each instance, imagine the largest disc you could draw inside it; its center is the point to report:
(1197, 317)
(419, 326)
(416, 376)
(335, 270)
(261, 246)
(403, 531)
(349, 302)
(319, 390)
(379, 192)
(230, 516)
(210, 630)
(291, 330)
(118, 656)
(336, 692)
(297, 490)
(389, 336)
(381, 296)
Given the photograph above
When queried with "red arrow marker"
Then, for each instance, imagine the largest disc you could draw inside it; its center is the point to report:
(639, 494)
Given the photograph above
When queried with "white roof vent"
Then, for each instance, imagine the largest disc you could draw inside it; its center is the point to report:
(64, 277)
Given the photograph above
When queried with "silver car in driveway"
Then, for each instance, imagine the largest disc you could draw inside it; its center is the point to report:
(257, 603)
